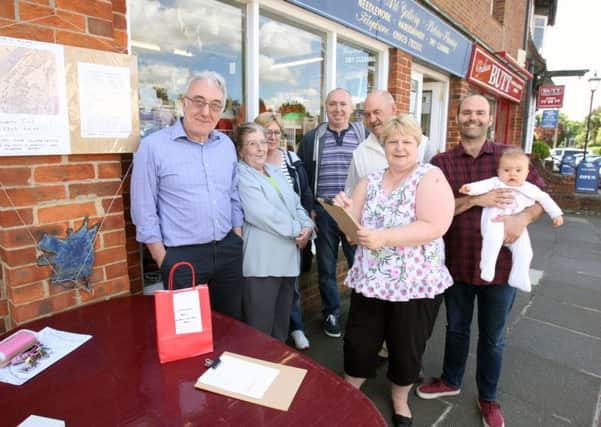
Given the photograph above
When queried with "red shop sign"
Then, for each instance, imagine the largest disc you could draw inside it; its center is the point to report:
(491, 74)
(550, 96)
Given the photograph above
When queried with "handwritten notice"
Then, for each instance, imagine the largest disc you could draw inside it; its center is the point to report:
(186, 308)
(33, 101)
(104, 101)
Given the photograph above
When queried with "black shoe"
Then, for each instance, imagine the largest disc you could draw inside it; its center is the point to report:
(401, 421)
(330, 326)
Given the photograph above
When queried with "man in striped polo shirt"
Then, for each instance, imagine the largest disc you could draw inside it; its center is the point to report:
(327, 152)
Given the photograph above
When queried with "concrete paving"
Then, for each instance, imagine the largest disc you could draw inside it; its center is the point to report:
(552, 369)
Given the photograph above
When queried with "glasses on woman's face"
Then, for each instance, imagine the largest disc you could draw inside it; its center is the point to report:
(275, 133)
(254, 144)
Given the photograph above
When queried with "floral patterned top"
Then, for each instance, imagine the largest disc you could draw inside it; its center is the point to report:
(397, 273)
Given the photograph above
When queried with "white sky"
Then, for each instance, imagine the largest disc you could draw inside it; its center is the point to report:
(573, 44)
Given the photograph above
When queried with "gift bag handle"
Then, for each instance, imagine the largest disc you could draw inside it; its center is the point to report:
(172, 272)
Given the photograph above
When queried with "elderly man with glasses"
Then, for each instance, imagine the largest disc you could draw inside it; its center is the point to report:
(184, 197)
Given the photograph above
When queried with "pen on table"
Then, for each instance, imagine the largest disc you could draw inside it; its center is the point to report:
(213, 363)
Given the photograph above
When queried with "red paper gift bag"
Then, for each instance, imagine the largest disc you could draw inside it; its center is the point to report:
(183, 320)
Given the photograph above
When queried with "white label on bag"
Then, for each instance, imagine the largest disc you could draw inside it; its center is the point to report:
(186, 312)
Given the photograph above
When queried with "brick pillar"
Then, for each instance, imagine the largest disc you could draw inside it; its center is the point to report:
(458, 89)
(50, 194)
(131, 245)
(516, 124)
(399, 78)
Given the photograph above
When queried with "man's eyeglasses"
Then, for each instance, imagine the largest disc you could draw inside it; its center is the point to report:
(256, 144)
(273, 133)
(200, 103)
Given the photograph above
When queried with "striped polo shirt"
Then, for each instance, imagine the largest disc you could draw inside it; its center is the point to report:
(335, 161)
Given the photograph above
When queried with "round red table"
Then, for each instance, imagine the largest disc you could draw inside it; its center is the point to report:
(115, 378)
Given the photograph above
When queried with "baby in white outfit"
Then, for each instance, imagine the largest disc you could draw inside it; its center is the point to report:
(512, 173)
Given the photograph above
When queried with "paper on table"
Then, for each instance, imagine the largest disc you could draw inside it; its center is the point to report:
(240, 376)
(37, 421)
(59, 344)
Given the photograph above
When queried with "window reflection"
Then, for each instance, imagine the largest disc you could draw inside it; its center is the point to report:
(174, 39)
(291, 63)
(356, 72)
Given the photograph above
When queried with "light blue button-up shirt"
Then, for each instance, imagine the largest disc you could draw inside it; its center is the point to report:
(183, 192)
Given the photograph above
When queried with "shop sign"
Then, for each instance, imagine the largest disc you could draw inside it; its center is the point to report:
(587, 177)
(403, 24)
(567, 166)
(549, 119)
(550, 96)
(491, 74)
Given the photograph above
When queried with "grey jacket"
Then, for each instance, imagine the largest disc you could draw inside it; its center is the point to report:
(271, 223)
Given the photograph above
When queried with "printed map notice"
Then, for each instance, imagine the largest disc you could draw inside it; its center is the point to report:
(33, 102)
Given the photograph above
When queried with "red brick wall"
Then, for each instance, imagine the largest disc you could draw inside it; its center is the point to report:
(499, 34)
(501, 31)
(54, 193)
(399, 78)
(94, 24)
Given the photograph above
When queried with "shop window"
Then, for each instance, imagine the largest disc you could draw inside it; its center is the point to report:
(291, 75)
(539, 24)
(356, 72)
(498, 10)
(415, 94)
(173, 40)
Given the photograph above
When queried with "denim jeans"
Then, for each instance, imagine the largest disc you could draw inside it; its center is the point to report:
(328, 238)
(494, 305)
(296, 315)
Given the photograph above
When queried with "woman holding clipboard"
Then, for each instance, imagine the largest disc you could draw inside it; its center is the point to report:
(399, 274)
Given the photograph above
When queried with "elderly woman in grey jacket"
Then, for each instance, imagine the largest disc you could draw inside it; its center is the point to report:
(276, 227)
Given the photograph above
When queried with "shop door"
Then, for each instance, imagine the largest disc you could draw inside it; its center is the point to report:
(502, 122)
(432, 114)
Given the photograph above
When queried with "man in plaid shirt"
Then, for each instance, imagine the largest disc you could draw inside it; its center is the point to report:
(474, 159)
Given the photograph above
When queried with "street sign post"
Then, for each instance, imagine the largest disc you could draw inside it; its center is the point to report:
(550, 96)
(550, 119)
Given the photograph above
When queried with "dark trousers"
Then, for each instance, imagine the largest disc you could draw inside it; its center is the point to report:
(406, 326)
(218, 264)
(328, 238)
(494, 305)
(267, 302)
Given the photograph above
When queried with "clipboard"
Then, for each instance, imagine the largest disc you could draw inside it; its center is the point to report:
(279, 394)
(345, 221)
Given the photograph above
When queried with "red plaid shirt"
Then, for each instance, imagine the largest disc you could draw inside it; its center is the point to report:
(463, 241)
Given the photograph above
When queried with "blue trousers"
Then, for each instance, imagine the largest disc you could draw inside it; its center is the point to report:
(328, 238)
(494, 304)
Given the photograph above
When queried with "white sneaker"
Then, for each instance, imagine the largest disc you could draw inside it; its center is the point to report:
(300, 340)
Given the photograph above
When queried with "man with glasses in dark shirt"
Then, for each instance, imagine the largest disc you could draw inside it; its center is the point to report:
(476, 158)
(184, 197)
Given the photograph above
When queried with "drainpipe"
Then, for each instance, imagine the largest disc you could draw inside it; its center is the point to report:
(527, 115)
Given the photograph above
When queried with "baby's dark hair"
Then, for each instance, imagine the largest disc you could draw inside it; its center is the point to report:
(513, 152)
